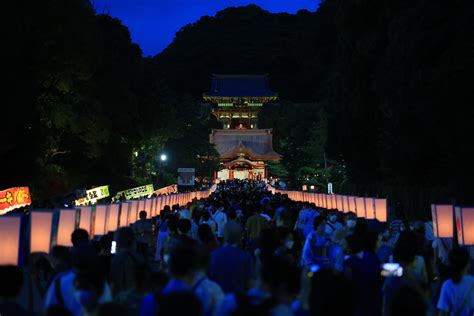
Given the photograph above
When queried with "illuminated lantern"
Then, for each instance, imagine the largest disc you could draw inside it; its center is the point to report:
(124, 211)
(333, 201)
(100, 223)
(318, 200)
(66, 225)
(380, 206)
(352, 204)
(465, 225)
(113, 217)
(41, 226)
(153, 207)
(442, 216)
(133, 212)
(10, 232)
(85, 219)
(148, 203)
(339, 204)
(159, 203)
(141, 205)
(369, 208)
(360, 206)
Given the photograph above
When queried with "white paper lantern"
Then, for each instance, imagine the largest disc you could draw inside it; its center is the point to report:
(442, 216)
(380, 209)
(66, 225)
(124, 214)
(360, 206)
(113, 217)
(369, 208)
(100, 222)
(41, 226)
(10, 232)
(85, 219)
(465, 225)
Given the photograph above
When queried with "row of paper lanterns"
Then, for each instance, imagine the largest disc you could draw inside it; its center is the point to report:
(449, 219)
(41, 229)
(368, 207)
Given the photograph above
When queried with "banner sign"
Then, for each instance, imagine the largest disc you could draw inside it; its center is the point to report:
(135, 193)
(167, 190)
(13, 198)
(93, 195)
(186, 176)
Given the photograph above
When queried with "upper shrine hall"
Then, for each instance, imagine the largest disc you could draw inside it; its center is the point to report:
(242, 146)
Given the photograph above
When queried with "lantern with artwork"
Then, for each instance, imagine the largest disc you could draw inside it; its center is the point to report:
(10, 233)
(442, 216)
(465, 225)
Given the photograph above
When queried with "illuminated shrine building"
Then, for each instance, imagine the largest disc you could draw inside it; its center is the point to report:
(243, 148)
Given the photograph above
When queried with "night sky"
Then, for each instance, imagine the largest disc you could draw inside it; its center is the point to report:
(153, 23)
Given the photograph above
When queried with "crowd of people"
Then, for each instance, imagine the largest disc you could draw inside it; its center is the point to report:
(245, 251)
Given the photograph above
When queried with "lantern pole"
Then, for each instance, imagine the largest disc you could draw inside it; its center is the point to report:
(455, 241)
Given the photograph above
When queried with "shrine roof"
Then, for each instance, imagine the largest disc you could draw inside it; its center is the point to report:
(255, 144)
(240, 86)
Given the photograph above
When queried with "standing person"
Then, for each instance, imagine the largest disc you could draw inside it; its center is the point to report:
(332, 224)
(254, 226)
(207, 238)
(230, 266)
(315, 246)
(457, 293)
(207, 219)
(125, 262)
(143, 230)
(83, 288)
(221, 218)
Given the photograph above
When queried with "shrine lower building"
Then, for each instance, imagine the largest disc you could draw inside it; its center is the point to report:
(243, 147)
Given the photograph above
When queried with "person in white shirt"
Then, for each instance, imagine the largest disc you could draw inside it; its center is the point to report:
(457, 293)
(221, 218)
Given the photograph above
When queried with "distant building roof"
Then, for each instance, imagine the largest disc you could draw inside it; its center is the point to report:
(255, 144)
(240, 86)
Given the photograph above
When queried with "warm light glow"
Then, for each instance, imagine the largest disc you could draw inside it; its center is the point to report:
(10, 239)
(85, 221)
(442, 216)
(352, 204)
(124, 212)
(113, 217)
(66, 225)
(465, 225)
(41, 223)
(100, 223)
(381, 209)
(339, 204)
(148, 203)
(369, 208)
(133, 212)
(360, 206)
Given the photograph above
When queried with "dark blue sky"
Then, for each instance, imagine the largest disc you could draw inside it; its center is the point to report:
(153, 23)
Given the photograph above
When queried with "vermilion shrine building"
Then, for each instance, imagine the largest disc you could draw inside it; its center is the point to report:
(242, 146)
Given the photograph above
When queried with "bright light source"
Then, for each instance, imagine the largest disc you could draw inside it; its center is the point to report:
(135, 153)
(163, 157)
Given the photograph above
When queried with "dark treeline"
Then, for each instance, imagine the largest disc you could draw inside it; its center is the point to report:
(82, 107)
(380, 92)
(390, 82)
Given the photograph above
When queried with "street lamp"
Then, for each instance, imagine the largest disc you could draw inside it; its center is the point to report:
(163, 158)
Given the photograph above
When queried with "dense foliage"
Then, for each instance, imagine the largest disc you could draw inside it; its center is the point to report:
(375, 95)
(391, 79)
